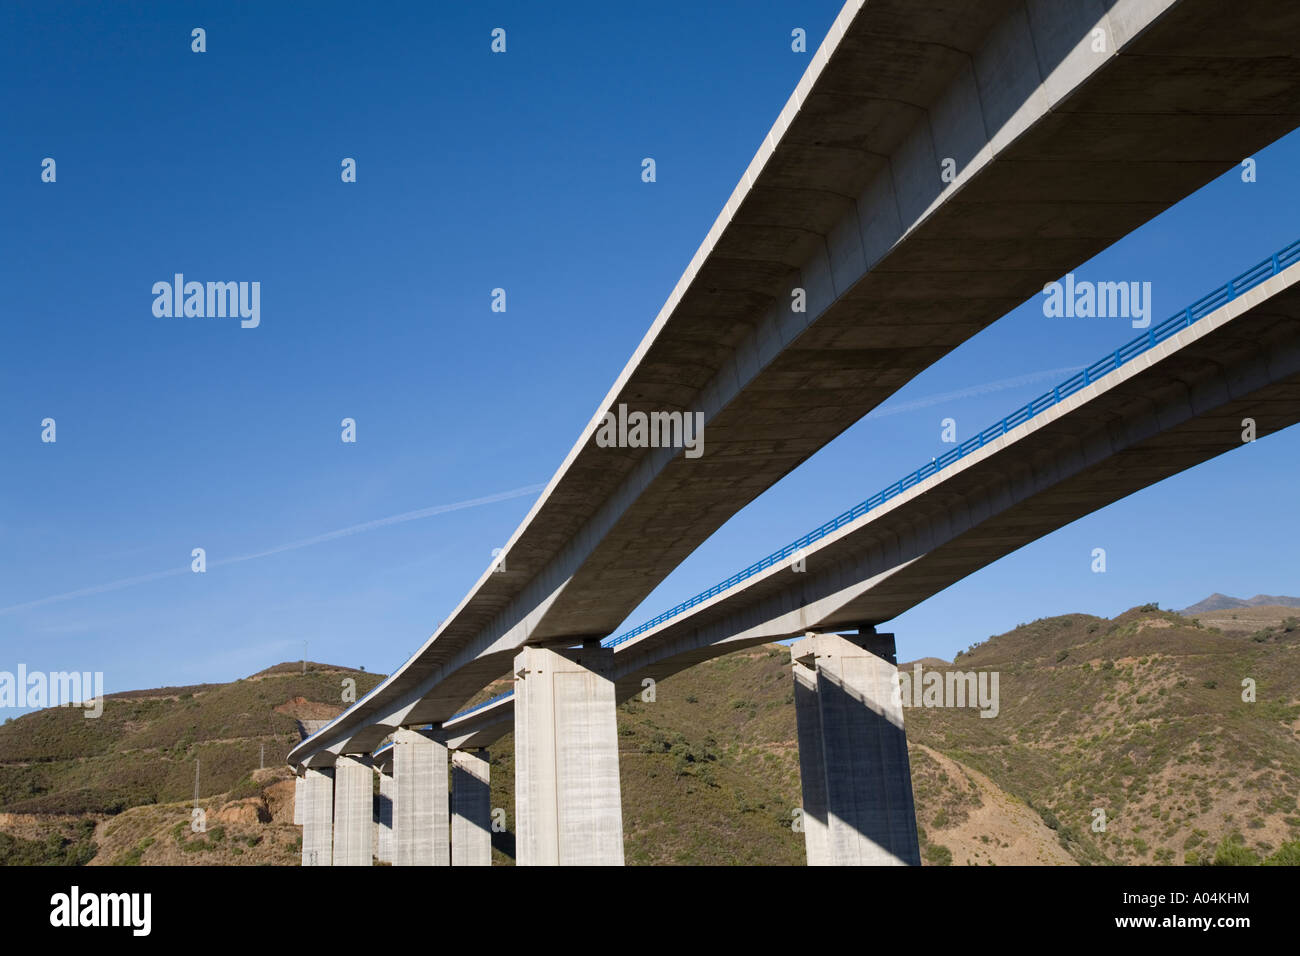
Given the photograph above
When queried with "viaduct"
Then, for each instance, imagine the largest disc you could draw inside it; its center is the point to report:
(939, 162)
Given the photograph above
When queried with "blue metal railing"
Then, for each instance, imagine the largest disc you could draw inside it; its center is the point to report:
(1125, 353)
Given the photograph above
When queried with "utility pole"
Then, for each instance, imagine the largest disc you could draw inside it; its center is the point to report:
(196, 783)
(261, 761)
(304, 657)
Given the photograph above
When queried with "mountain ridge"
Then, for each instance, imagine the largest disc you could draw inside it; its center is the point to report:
(1224, 602)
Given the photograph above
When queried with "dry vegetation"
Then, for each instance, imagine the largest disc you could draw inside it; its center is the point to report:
(1141, 718)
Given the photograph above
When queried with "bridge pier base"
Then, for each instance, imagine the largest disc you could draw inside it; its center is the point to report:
(567, 798)
(384, 817)
(353, 811)
(420, 818)
(317, 817)
(855, 775)
(471, 809)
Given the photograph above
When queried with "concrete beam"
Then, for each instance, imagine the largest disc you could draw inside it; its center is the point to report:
(568, 802)
(471, 809)
(853, 766)
(421, 825)
(482, 727)
(354, 805)
(318, 817)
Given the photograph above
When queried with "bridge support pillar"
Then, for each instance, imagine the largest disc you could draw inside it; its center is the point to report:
(317, 817)
(471, 809)
(354, 809)
(297, 800)
(384, 817)
(856, 779)
(421, 824)
(567, 799)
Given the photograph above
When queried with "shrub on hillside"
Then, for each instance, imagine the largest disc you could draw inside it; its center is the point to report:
(246, 787)
(72, 846)
(1288, 854)
(938, 855)
(1232, 852)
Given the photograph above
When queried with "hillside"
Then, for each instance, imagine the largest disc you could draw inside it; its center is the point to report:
(1140, 717)
(62, 774)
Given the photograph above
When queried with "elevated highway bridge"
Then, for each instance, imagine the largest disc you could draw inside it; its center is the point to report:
(939, 162)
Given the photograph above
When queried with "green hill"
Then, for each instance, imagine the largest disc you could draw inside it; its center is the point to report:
(1140, 719)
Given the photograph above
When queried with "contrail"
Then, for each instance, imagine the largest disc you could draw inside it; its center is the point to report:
(385, 522)
(971, 392)
(293, 546)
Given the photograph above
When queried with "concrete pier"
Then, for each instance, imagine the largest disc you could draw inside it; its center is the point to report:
(856, 779)
(384, 817)
(421, 823)
(812, 772)
(317, 817)
(354, 787)
(471, 810)
(297, 800)
(568, 804)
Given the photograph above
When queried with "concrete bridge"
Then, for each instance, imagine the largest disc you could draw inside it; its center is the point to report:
(1067, 124)
(1164, 402)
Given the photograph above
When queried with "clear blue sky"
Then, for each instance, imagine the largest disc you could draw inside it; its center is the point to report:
(475, 171)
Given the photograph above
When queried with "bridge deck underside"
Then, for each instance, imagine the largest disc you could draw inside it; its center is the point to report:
(1180, 410)
(1060, 153)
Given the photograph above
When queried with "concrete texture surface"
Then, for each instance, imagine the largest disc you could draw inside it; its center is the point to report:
(471, 809)
(318, 816)
(384, 817)
(421, 818)
(568, 805)
(353, 811)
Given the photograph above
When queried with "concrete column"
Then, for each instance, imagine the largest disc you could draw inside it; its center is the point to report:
(318, 817)
(421, 825)
(297, 800)
(471, 810)
(857, 782)
(354, 787)
(568, 805)
(384, 817)
(812, 771)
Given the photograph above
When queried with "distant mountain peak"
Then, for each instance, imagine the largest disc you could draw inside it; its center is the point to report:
(1223, 602)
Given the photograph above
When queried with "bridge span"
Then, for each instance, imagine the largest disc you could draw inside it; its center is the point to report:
(1178, 395)
(936, 166)
(1068, 125)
